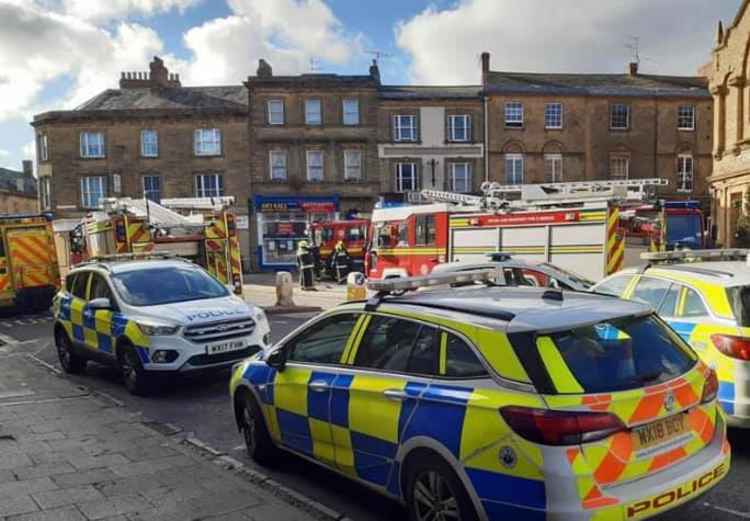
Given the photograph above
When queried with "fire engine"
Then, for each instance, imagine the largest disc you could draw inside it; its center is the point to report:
(665, 226)
(353, 233)
(573, 225)
(29, 272)
(132, 226)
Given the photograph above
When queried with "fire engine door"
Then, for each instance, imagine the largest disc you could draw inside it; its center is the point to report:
(29, 251)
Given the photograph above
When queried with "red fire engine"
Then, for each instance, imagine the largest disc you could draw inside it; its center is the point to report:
(353, 233)
(573, 225)
(665, 226)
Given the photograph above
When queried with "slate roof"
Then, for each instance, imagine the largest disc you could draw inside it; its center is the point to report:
(232, 97)
(9, 181)
(642, 85)
(418, 92)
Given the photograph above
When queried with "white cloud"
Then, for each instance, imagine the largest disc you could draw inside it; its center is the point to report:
(287, 33)
(564, 36)
(104, 10)
(4, 153)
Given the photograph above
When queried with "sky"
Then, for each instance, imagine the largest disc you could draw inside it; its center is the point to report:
(56, 54)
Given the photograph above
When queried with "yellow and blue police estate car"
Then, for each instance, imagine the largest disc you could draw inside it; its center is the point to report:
(705, 296)
(492, 403)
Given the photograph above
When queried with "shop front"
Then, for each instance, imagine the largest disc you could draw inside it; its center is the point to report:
(282, 221)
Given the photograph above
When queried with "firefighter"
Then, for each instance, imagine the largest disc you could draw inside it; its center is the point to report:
(340, 262)
(306, 266)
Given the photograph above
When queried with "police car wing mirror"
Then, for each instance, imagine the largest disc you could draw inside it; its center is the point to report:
(277, 359)
(102, 303)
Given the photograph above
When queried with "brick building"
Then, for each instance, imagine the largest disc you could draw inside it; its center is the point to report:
(313, 154)
(430, 137)
(728, 75)
(572, 127)
(18, 190)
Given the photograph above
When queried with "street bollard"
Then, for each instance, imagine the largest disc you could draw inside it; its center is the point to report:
(355, 286)
(284, 289)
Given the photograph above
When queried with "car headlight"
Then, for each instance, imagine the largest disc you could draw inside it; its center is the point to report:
(151, 329)
(260, 315)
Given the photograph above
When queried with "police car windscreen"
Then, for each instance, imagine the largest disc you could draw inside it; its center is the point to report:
(624, 354)
(155, 286)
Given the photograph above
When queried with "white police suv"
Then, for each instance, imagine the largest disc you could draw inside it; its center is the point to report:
(151, 318)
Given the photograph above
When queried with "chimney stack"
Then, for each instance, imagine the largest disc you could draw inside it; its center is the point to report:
(264, 69)
(157, 77)
(485, 67)
(375, 71)
(633, 68)
(28, 167)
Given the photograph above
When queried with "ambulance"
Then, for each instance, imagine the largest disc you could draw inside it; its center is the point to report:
(571, 225)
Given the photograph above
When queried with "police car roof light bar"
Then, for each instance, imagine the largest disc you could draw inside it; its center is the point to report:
(399, 284)
(666, 257)
(123, 257)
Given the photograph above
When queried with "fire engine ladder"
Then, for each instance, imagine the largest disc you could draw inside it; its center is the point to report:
(509, 197)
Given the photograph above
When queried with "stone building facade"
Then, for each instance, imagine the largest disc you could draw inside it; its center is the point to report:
(18, 190)
(430, 137)
(575, 127)
(728, 72)
(313, 154)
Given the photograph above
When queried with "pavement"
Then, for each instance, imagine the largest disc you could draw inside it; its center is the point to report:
(260, 289)
(68, 454)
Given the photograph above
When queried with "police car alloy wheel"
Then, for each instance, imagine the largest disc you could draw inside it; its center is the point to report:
(136, 380)
(435, 493)
(70, 362)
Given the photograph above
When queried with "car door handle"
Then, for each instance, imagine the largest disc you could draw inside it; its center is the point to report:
(319, 386)
(395, 394)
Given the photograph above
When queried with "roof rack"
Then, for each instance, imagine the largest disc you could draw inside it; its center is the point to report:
(668, 257)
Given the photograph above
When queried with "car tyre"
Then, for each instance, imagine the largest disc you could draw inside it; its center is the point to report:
(136, 378)
(434, 492)
(69, 360)
(252, 424)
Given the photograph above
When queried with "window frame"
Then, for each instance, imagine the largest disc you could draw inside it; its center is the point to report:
(619, 157)
(199, 143)
(398, 176)
(86, 180)
(468, 173)
(85, 146)
(92, 279)
(270, 112)
(681, 115)
(45, 192)
(613, 114)
(628, 276)
(513, 114)
(347, 166)
(398, 128)
(641, 279)
(488, 371)
(43, 147)
(287, 343)
(452, 118)
(199, 184)
(548, 115)
(682, 176)
(147, 191)
(144, 143)
(683, 301)
(280, 152)
(308, 165)
(557, 175)
(428, 223)
(87, 275)
(308, 121)
(344, 112)
(515, 158)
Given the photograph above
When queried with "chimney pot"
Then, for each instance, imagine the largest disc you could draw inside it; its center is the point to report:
(633, 68)
(485, 67)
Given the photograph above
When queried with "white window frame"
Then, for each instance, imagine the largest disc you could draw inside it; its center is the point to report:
(553, 111)
(45, 195)
(466, 119)
(352, 168)
(207, 142)
(399, 129)
(612, 109)
(399, 177)
(684, 174)
(204, 189)
(513, 114)
(275, 170)
(312, 168)
(467, 181)
(147, 191)
(43, 150)
(619, 158)
(350, 117)
(272, 113)
(311, 116)
(88, 186)
(556, 162)
(513, 177)
(92, 148)
(681, 115)
(149, 148)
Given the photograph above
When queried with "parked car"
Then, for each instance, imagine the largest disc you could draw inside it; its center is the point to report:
(492, 402)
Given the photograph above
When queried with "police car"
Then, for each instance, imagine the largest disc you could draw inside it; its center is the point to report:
(492, 403)
(705, 296)
(152, 317)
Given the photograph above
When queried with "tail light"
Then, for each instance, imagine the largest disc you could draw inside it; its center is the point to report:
(710, 388)
(732, 346)
(560, 428)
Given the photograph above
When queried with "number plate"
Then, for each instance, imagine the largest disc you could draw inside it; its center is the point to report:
(225, 347)
(659, 432)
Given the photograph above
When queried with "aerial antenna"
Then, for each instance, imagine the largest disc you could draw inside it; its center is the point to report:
(377, 53)
(314, 64)
(635, 46)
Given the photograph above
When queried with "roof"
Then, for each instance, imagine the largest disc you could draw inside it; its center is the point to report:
(419, 92)
(227, 97)
(314, 80)
(12, 180)
(641, 85)
(723, 273)
(523, 309)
